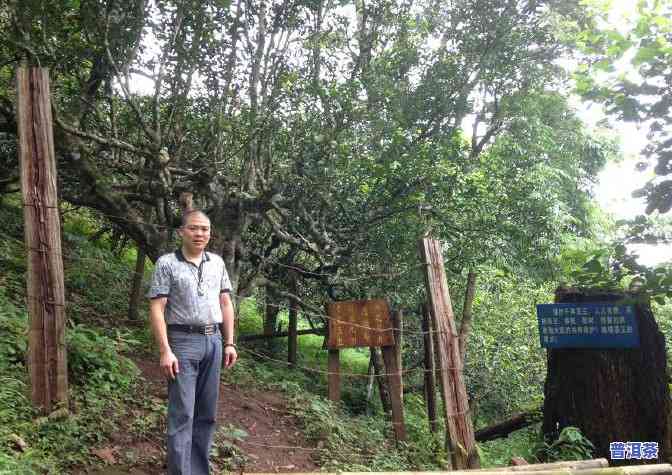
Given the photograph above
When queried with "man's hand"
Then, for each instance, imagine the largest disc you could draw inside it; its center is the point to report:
(230, 356)
(169, 365)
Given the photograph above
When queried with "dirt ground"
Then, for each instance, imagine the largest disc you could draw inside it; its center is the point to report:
(273, 441)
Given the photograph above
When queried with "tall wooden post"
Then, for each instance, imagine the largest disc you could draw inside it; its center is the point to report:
(334, 376)
(378, 364)
(392, 357)
(292, 335)
(46, 295)
(460, 441)
(430, 368)
(398, 324)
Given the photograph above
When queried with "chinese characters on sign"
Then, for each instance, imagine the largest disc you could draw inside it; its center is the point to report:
(633, 450)
(591, 325)
(359, 323)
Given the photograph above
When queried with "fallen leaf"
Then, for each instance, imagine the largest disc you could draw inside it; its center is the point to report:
(106, 454)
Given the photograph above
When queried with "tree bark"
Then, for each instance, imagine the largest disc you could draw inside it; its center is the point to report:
(136, 289)
(271, 312)
(611, 394)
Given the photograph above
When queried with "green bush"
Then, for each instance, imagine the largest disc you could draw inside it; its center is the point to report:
(571, 444)
(94, 358)
(101, 381)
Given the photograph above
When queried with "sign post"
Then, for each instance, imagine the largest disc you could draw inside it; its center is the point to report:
(366, 323)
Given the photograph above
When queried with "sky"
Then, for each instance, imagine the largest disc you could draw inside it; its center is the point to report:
(617, 182)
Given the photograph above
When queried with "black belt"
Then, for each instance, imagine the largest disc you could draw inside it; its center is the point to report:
(202, 329)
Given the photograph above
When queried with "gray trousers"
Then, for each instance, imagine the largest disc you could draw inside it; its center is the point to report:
(192, 401)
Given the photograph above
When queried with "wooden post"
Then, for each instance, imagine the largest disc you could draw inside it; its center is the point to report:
(396, 389)
(334, 365)
(430, 368)
(460, 441)
(292, 340)
(46, 293)
(383, 383)
(397, 324)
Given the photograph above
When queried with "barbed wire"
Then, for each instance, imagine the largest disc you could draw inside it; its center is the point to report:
(347, 374)
(364, 456)
(326, 316)
(36, 205)
(323, 316)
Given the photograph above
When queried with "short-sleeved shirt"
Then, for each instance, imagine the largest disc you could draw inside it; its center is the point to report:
(178, 279)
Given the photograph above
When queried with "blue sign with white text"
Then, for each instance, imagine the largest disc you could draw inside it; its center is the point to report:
(587, 325)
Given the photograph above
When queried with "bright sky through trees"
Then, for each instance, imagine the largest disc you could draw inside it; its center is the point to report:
(618, 180)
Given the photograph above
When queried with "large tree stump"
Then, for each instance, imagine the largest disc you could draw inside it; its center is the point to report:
(611, 395)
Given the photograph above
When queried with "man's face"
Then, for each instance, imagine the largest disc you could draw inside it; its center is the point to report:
(196, 232)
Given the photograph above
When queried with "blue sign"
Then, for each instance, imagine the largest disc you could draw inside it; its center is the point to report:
(587, 325)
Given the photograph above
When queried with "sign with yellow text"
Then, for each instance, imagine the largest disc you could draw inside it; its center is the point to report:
(359, 323)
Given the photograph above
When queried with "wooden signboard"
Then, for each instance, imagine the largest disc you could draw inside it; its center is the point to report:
(359, 323)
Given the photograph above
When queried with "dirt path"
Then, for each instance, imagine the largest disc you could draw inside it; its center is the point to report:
(265, 435)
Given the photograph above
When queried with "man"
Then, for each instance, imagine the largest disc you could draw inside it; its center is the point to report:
(190, 301)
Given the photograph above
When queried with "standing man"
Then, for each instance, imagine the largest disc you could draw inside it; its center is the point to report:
(190, 303)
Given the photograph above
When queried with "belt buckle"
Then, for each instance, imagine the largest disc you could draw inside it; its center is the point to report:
(209, 329)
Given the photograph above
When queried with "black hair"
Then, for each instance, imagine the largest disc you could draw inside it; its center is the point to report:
(191, 212)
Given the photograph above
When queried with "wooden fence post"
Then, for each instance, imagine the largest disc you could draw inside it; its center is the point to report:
(396, 389)
(292, 335)
(47, 360)
(460, 442)
(397, 325)
(334, 376)
(430, 369)
(376, 359)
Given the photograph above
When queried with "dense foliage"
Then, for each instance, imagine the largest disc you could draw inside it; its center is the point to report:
(320, 136)
(324, 139)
